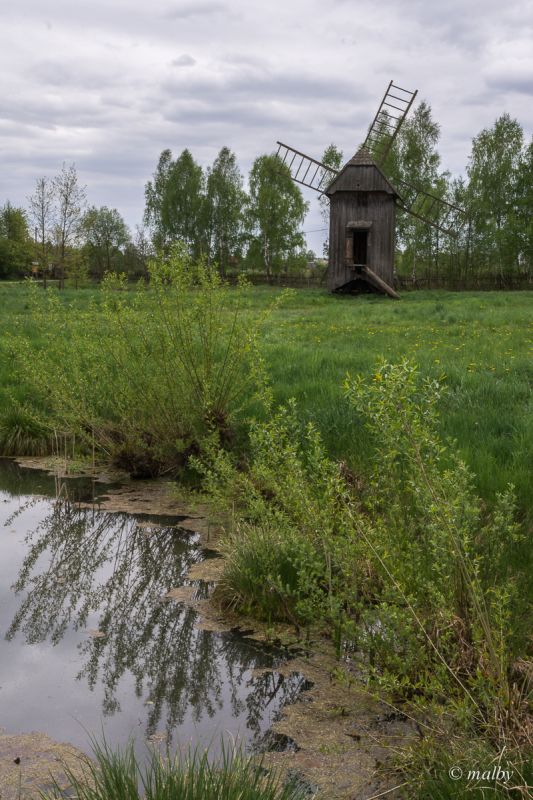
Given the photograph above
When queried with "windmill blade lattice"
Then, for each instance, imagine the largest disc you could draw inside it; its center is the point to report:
(388, 121)
(305, 170)
(431, 209)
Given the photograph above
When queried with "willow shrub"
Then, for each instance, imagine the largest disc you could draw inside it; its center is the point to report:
(411, 571)
(444, 617)
(289, 551)
(146, 374)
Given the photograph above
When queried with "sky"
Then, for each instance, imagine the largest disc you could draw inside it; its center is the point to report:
(109, 84)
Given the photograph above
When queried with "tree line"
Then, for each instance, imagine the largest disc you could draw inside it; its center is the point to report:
(260, 227)
(209, 211)
(216, 218)
(493, 238)
(60, 235)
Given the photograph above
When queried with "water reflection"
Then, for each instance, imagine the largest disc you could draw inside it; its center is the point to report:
(85, 568)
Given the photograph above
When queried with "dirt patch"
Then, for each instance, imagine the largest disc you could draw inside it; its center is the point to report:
(27, 762)
(209, 570)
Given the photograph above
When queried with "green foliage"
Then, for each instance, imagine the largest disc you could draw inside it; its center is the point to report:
(119, 776)
(15, 244)
(76, 269)
(432, 544)
(412, 572)
(332, 157)
(275, 213)
(224, 210)
(287, 550)
(22, 433)
(70, 201)
(492, 195)
(459, 769)
(146, 376)
(106, 235)
(414, 158)
(409, 571)
(175, 202)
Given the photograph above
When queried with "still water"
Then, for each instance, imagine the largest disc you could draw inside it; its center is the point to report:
(89, 648)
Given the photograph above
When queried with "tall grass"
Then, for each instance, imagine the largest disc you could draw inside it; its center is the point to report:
(117, 775)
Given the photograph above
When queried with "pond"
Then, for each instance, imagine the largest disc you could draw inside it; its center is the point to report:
(90, 647)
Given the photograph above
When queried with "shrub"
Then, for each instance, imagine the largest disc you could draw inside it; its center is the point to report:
(289, 553)
(412, 572)
(449, 624)
(145, 375)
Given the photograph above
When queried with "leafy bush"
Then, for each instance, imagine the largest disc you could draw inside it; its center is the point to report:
(412, 572)
(289, 553)
(442, 622)
(145, 375)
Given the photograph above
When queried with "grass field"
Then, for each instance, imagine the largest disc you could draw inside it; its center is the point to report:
(481, 342)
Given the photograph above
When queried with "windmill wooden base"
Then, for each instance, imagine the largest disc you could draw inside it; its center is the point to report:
(366, 281)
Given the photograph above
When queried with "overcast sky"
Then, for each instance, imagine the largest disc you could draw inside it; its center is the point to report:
(108, 84)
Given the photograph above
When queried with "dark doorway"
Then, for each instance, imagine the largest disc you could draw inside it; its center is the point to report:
(360, 242)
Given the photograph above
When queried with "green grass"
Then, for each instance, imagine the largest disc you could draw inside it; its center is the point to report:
(117, 775)
(482, 342)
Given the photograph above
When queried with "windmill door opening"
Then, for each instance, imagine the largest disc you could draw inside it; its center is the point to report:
(360, 247)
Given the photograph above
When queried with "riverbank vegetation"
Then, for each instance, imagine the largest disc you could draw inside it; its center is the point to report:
(116, 775)
(481, 343)
(374, 507)
(420, 587)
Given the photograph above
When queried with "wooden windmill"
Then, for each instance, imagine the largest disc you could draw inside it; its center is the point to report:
(363, 202)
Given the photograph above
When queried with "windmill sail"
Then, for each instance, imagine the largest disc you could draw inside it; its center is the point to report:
(388, 121)
(305, 170)
(431, 209)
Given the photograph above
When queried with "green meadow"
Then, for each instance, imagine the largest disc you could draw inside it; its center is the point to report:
(481, 342)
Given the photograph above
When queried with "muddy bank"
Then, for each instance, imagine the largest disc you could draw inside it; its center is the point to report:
(27, 762)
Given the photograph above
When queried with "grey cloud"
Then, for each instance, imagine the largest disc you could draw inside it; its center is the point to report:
(183, 61)
(297, 87)
(236, 114)
(103, 86)
(61, 74)
(187, 10)
(521, 83)
(50, 112)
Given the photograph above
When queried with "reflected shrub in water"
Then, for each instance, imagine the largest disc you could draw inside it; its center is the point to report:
(104, 567)
(145, 375)
(118, 776)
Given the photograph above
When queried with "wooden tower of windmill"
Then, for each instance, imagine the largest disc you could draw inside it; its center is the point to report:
(363, 202)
